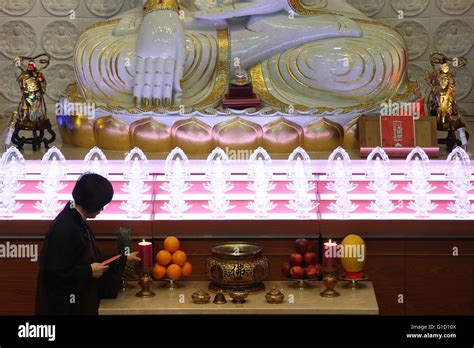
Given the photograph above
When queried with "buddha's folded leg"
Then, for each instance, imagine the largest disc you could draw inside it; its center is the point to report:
(339, 72)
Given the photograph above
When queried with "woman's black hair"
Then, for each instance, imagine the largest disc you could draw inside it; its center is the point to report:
(92, 192)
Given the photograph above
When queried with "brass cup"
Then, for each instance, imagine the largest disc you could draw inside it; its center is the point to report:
(329, 282)
(145, 282)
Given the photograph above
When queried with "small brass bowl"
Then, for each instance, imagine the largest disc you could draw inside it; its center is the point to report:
(201, 297)
(274, 296)
(238, 296)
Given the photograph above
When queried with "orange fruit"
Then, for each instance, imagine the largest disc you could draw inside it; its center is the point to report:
(179, 258)
(163, 257)
(187, 269)
(173, 272)
(171, 244)
(159, 271)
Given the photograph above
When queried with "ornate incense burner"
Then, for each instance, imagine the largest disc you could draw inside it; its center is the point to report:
(237, 266)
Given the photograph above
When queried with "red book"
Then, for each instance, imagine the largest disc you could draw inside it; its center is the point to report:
(112, 259)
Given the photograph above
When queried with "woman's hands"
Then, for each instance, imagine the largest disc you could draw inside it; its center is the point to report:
(98, 270)
(161, 55)
(133, 258)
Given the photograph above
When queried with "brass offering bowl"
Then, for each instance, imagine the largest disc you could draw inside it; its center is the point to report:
(238, 296)
(201, 297)
(237, 266)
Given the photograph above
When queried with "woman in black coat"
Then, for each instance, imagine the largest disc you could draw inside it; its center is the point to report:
(71, 279)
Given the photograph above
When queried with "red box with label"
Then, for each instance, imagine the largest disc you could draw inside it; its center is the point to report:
(397, 131)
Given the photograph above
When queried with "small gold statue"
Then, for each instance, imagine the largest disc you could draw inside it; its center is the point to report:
(32, 106)
(442, 101)
(31, 114)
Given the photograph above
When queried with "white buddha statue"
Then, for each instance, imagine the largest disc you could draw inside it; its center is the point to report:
(306, 53)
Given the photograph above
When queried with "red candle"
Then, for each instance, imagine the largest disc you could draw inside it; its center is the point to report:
(145, 251)
(330, 254)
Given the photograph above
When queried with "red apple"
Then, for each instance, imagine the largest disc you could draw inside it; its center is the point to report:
(301, 245)
(310, 258)
(296, 259)
(297, 272)
(311, 272)
(285, 269)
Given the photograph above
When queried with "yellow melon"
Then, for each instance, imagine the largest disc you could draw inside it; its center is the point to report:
(354, 252)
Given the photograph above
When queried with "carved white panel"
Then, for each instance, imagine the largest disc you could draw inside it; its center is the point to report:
(58, 39)
(416, 37)
(60, 7)
(17, 38)
(369, 7)
(135, 3)
(104, 8)
(454, 7)
(8, 86)
(464, 86)
(454, 38)
(59, 76)
(410, 8)
(16, 7)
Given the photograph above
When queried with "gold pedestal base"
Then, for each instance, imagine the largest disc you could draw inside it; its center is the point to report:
(328, 293)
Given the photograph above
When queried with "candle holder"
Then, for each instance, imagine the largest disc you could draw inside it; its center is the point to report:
(353, 282)
(329, 282)
(172, 284)
(145, 283)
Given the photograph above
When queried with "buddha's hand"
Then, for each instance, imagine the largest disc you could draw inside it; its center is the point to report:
(161, 55)
(208, 9)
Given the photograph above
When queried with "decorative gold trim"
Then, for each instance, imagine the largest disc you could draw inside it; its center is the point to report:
(222, 69)
(73, 94)
(160, 5)
(261, 89)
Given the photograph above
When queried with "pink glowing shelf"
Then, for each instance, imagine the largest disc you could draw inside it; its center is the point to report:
(239, 196)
